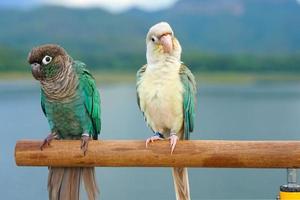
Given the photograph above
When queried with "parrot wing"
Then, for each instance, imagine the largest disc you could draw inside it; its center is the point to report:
(43, 103)
(139, 76)
(189, 99)
(91, 98)
(48, 115)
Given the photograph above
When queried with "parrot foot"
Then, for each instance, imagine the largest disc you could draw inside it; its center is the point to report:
(156, 136)
(85, 138)
(173, 141)
(47, 140)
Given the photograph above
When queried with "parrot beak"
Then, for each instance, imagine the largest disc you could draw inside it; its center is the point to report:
(167, 43)
(36, 71)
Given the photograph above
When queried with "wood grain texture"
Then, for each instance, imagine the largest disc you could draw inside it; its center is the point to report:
(193, 153)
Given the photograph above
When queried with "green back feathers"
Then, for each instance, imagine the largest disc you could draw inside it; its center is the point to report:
(91, 96)
(189, 99)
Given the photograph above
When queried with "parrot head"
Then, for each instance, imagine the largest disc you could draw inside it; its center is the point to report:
(162, 43)
(47, 61)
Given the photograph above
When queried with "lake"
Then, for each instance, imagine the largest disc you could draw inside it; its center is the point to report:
(258, 111)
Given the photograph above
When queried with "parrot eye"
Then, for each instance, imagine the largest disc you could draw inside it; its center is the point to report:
(46, 60)
(153, 39)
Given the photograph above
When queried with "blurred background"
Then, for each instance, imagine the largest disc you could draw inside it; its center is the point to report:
(245, 55)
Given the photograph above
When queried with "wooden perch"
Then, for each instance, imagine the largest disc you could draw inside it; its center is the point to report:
(193, 153)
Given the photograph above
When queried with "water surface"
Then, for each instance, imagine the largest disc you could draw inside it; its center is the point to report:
(231, 112)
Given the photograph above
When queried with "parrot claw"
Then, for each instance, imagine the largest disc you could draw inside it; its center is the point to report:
(156, 136)
(85, 143)
(173, 141)
(47, 140)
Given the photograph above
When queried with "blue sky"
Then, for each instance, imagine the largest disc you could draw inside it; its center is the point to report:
(112, 5)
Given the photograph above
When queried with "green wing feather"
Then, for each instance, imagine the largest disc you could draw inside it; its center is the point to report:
(91, 97)
(139, 75)
(189, 99)
(43, 103)
(49, 118)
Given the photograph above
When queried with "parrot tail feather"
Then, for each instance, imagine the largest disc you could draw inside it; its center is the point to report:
(64, 183)
(90, 184)
(181, 183)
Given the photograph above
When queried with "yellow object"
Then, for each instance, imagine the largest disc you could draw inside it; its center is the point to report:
(289, 196)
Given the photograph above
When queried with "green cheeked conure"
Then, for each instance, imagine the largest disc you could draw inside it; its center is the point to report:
(70, 100)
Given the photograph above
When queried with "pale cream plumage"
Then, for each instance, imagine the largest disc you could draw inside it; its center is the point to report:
(160, 92)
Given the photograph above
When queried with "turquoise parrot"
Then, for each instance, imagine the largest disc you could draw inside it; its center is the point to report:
(71, 103)
(166, 91)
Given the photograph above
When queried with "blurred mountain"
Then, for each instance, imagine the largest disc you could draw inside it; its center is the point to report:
(238, 26)
(259, 27)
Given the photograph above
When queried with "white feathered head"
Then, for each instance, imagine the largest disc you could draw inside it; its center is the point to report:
(161, 43)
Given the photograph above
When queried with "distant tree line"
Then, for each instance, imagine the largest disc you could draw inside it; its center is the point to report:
(14, 60)
(246, 63)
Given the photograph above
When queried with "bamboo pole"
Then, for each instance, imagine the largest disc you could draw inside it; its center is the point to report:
(193, 153)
